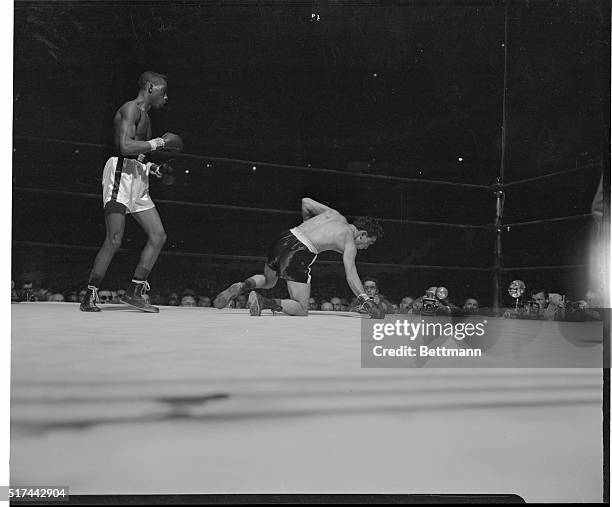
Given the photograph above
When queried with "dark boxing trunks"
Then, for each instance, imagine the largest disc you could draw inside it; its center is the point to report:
(291, 258)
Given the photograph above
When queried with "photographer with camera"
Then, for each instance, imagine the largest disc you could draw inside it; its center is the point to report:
(550, 306)
(534, 308)
(544, 305)
(435, 302)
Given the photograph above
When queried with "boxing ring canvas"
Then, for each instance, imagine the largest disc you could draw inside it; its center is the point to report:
(471, 131)
(197, 400)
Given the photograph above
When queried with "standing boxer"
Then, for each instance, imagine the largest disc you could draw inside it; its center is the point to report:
(125, 189)
(294, 252)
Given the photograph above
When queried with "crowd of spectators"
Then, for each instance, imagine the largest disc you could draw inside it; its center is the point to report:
(537, 303)
(186, 297)
(544, 305)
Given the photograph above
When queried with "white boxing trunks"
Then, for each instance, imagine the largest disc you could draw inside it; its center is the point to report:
(126, 180)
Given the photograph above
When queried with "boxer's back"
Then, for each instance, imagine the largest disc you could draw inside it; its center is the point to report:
(327, 231)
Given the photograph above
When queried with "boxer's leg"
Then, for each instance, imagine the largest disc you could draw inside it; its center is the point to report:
(267, 280)
(114, 220)
(298, 304)
(294, 266)
(300, 294)
(151, 223)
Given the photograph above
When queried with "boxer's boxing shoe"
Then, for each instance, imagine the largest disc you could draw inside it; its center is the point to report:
(134, 297)
(88, 303)
(224, 298)
(254, 304)
(257, 303)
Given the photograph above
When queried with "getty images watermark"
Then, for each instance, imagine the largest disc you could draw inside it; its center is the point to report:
(415, 341)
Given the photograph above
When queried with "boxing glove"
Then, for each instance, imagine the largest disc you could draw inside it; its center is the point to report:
(367, 305)
(172, 142)
(164, 171)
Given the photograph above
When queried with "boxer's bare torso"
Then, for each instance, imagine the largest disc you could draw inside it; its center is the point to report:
(132, 119)
(328, 231)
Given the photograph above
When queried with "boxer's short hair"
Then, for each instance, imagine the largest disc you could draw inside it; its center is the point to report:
(151, 77)
(370, 225)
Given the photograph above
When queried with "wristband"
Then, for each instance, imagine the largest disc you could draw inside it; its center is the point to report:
(156, 143)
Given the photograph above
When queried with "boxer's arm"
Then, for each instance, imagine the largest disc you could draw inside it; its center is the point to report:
(366, 303)
(127, 143)
(348, 258)
(311, 208)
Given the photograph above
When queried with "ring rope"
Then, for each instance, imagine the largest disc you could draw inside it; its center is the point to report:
(550, 175)
(39, 244)
(270, 164)
(533, 268)
(549, 220)
(289, 212)
(244, 208)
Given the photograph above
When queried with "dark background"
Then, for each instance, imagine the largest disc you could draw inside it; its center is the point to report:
(399, 89)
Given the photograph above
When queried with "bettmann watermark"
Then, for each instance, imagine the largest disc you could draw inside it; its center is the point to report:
(414, 341)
